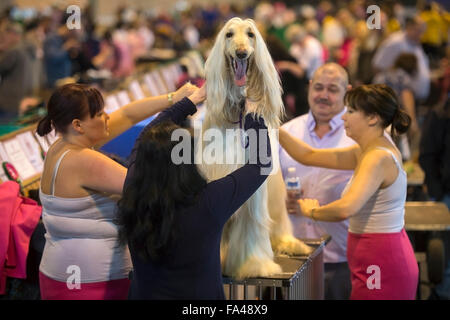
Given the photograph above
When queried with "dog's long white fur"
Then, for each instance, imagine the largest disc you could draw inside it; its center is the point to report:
(261, 226)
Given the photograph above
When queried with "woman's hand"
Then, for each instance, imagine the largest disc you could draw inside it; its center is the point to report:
(184, 91)
(306, 206)
(198, 95)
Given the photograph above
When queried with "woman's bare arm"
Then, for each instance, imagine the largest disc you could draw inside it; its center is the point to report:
(136, 111)
(368, 179)
(335, 158)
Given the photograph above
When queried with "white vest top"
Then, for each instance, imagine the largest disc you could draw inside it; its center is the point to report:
(384, 212)
(81, 234)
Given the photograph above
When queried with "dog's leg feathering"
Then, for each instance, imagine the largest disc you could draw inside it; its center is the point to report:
(281, 232)
(249, 252)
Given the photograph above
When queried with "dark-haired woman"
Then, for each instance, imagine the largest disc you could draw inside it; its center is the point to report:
(172, 219)
(380, 255)
(81, 258)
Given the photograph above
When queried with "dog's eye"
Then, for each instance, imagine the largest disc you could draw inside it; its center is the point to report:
(229, 34)
(251, 34)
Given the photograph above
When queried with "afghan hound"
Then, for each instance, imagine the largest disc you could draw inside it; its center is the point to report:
(239, 68)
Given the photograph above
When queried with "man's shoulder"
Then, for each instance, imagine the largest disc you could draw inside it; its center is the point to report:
(395, 40)
(296, 122)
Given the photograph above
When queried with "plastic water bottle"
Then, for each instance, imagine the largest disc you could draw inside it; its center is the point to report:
(293, 186)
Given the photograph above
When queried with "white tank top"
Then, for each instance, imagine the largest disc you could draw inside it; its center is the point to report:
(81, 236)
(384, 212)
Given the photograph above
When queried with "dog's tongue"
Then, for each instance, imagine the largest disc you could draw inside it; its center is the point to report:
(240, 78)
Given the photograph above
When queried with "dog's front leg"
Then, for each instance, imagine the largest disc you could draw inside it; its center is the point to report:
(248, 249)
(281, 234)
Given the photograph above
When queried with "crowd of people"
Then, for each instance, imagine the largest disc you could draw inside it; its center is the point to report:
(345, 87)
(40, 50)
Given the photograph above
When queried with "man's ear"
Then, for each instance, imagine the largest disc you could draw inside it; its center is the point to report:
(76, 125)
(349, 87)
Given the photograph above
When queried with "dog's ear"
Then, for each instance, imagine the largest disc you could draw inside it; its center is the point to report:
(215, 73)
(265, 82)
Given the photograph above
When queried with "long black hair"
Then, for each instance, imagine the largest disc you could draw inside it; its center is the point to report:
(156, 192)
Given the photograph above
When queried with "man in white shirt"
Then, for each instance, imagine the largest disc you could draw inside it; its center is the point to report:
(323, 127)
(407, 41)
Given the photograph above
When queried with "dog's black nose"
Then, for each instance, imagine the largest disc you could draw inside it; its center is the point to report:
(241, 54)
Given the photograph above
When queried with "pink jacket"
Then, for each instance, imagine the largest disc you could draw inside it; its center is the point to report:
(19, 217)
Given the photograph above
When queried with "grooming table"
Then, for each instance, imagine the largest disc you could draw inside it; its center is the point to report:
(302, 278)
(426, 216)
(416, 178)
(428, 224)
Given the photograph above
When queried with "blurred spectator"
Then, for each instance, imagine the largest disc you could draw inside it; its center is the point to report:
(165, 32)
(443, 79)
(305, 48)
(435, 34)
(90, 44)
(135, 42)
(75, 44)
(347, 22)
(312, 27)
(358, 8)
(279, 23)
(400, 79)
(190, 32)
(109, 56)
(392, 25)
(126, 64)
(145, 33)
(435, 161)
(435, 153)
(15, 71)
(406, 41)
(264, 14)
(34, 41)
(187, 76)
(56, 54)
(293, 77)
(333, 35)
(324, 9)
(210, 16)
(366, 42)
(307, 12)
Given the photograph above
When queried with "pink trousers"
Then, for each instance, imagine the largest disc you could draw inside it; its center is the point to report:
(107, 290)
(382, 266)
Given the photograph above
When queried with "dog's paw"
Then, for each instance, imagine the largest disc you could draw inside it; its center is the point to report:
(291, 246)
(255, 267)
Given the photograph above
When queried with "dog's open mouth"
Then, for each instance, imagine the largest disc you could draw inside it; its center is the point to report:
(240, 67)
